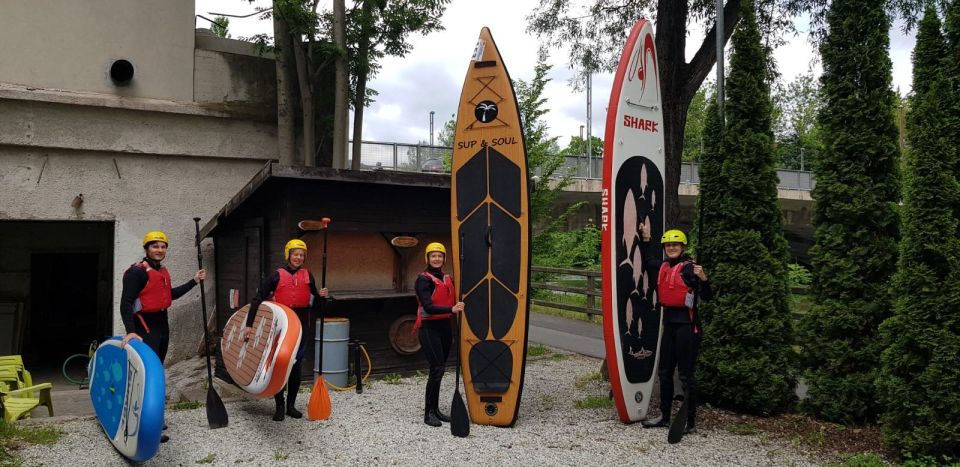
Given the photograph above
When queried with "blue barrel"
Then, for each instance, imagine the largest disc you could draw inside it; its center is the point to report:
(336, 334)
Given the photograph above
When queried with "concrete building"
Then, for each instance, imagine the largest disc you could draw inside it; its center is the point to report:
(116, 118)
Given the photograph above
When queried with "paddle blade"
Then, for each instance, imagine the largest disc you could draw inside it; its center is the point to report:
(318, 408)
(459, 418)
(216, 412)
(678, 424)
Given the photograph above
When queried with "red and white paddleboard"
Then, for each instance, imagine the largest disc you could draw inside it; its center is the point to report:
(632, 195)
(262, 364)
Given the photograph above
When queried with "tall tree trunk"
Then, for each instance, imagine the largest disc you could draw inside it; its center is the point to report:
(358, 100)
(286, 139)
(306, 104)
(340, 84)
(679, 81)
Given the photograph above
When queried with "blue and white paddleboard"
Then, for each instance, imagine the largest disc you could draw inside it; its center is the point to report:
(128, 390)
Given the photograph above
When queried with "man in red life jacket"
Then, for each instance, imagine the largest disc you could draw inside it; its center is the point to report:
(147, 293)
(437, 304)
(291, 285)
(679, 280)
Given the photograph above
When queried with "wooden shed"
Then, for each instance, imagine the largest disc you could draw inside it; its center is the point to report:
(370, 278)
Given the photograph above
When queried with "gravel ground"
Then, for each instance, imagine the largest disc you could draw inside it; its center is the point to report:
(384, 425)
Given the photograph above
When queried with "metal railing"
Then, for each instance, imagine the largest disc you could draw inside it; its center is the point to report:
(426, 158)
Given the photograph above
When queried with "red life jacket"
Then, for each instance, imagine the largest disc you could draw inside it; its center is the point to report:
(672, 291)
(156, 295)
(443, 295)
(293, 290)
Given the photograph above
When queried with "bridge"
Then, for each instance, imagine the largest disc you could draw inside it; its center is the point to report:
(793, 190)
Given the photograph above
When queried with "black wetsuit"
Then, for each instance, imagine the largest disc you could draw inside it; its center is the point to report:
(153, 327)
(267, 287)
(436, 336)
(680, 342)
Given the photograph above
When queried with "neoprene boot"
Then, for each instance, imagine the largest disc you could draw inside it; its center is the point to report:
(441, 416)
(656, 422)
(278, 414)
(291, 410)
(430, 418)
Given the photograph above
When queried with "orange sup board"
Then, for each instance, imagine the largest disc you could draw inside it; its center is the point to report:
(489, 215)
(262, 364)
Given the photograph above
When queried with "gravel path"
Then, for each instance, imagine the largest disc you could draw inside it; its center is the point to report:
(384, 425)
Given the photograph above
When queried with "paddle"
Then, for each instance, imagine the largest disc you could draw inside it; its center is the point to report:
(318, 408)
(216, 412)
(459, 419)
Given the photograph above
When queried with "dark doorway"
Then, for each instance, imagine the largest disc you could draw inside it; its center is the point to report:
(63, 291)
(57, 277)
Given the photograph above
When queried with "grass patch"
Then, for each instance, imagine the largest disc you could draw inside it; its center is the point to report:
(186, 405)
(865, 459)
(207, 460)
(549, 402)
(280, 455)
(566, 314)
(420, 376)
(14, 436)
(393, 378)
(588, 379)
(745, 429)
(594, 402)
(537, 350)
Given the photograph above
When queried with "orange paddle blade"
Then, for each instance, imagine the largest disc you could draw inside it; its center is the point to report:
(318, 408)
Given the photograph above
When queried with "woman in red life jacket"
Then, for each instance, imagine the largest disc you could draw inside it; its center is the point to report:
(291, 285)
(679, 279)
(147, 293)
(437, 299)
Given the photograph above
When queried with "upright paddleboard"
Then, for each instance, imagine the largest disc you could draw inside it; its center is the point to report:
(489, 215)
(632, 195)
(128, 391)
(262, 364)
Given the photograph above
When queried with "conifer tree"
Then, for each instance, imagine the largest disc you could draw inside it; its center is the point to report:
(918, 381)
(747, 361)
(856, 219)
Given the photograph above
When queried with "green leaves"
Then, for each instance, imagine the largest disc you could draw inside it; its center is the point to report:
(747, 361)
(856, 215)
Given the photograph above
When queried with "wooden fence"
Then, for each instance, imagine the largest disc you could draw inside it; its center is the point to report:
(591, 292)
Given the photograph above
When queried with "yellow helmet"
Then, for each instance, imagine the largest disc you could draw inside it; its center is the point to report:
(293, 245)
(435, 246)
(673, 236)
(155, 236)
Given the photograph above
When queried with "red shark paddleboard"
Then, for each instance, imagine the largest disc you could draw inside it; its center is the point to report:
(632, 195)
(262, 364)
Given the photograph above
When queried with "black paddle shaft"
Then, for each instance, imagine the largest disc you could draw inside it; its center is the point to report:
(216, 412)
(459, 418)
(203, 305)
(323, 300)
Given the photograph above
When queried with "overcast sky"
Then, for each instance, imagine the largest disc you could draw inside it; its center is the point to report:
(430, 77)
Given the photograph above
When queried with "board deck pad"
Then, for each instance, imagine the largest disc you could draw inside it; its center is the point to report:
(489, 214)
(128, 393)
(262, 365)
(632, 196)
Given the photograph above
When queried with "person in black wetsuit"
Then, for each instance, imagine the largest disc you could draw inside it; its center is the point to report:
(437, 299)
(147, 293)
(679, 279)
(294, 286)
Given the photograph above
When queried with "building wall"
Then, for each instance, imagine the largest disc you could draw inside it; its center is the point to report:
(71, 45)
(147, 157)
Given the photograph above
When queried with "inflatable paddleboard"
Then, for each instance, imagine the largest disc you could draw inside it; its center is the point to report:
(632, 195)
(489, 199)
(262, 364)
(128, 392)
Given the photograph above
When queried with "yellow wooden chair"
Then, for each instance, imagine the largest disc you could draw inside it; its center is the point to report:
(17, 400)
(16, 362)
